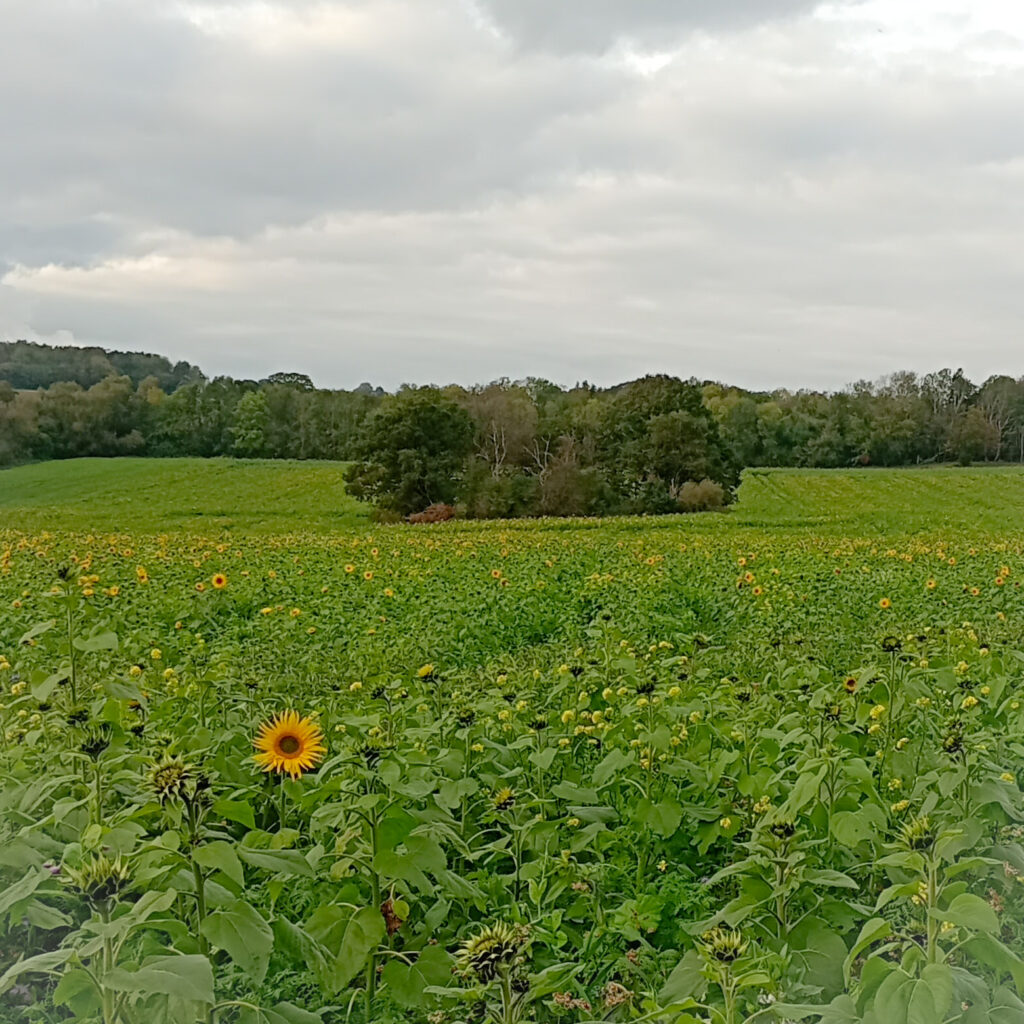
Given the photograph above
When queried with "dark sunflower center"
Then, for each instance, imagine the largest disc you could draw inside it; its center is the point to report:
(289, 745)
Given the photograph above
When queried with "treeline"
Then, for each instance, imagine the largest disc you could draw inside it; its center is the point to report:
(28, 365)
(529, 447)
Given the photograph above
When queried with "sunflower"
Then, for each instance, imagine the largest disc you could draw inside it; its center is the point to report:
(885, 603)
(289, 744)
(219, 581)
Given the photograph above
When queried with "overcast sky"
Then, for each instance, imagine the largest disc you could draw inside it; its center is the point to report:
(766, 192)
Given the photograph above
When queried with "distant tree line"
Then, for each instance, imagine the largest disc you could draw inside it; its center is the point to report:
(508, 448)
(27, 365)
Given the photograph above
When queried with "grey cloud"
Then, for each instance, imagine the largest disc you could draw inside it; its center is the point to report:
(157, 120)
(412, 198)
(596, 25)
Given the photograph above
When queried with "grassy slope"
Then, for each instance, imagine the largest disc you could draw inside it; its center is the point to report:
(171, 494)
(252, 496)
(880, 501)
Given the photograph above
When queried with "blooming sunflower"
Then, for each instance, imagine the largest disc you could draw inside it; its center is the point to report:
(219, 581)
(288, 743)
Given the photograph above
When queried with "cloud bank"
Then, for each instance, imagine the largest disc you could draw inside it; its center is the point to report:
(763, 191)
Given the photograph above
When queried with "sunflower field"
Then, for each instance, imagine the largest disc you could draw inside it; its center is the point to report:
(266, 768)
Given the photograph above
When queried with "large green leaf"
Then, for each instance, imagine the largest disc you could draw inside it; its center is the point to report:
(969, 911)
(364, 931)
(930, 995)
(686, 981)
(221, 856)
(77, 991)
(42, 963)
(407, 982)
(22, 889)
(1006, 1008)
(242, 932)
(187, 977)
(284, 862)
(872, 931)
(236, 810)
(662, 817)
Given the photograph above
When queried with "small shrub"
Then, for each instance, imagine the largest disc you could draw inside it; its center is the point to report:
(706, 496)
(436, 513)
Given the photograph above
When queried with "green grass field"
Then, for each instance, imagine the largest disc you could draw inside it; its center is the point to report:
(753, 766)
(257, 496)
(156, 495)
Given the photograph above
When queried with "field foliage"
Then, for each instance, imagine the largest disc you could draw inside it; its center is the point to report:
(748, 766)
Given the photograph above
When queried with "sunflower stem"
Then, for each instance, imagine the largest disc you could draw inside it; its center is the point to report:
(371, 964)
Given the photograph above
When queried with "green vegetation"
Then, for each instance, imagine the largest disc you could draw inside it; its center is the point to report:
(507, 449)
(751, 766)
(159, 495)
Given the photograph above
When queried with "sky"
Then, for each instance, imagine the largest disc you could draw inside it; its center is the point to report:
(765, 192)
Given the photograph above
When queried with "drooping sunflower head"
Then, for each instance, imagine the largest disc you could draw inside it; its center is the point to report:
(289, 744)
(96, 741)
(172, 778)
(496, 946)
(918, 834)
(724, 944)
(99, 879)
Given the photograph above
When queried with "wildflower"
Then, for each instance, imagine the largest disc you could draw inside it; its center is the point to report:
(850, 685)
(969, 701)
(289, 744)
(219, 581)
(1008, 777)
(877, 711)
(726, 823)
(425, 671)
(156, 654)
(885, 603)
(355, 687)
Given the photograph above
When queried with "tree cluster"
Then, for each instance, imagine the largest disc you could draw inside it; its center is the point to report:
(27, 365)
(508, 448)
